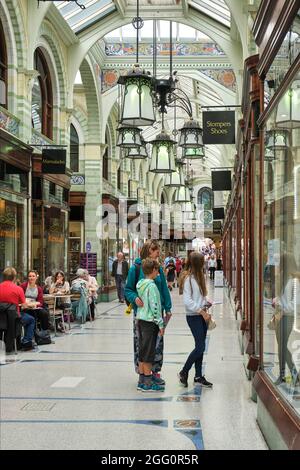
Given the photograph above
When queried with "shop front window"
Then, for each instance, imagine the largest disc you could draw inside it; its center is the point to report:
(38, 254)
(55, 239)
(256, 240)
(13, 249)
(281, 270)
(285, 57)
(49, 239)
(13, 178)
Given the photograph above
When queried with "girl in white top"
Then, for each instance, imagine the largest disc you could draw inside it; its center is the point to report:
(192, 284)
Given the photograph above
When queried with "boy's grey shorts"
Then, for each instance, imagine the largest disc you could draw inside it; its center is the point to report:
(148, 332)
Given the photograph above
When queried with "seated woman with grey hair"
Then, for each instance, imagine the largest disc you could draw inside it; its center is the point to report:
(80, 286)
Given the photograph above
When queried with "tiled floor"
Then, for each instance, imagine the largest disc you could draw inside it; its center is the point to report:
(80, 393)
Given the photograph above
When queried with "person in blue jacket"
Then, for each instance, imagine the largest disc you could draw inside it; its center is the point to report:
(150, 250)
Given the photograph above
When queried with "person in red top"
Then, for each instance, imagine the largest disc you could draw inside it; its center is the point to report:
(12, 294)
(35, 302)
(178, 265)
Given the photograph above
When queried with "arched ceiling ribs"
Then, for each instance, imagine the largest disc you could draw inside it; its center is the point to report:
(218, 33)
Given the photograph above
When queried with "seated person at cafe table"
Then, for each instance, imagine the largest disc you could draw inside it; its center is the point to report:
(10, 293)
(35, 302)
(61, 287)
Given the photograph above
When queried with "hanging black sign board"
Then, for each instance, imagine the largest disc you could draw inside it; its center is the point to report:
(218, 213)
(218, 127)
(221, 180)
(217, 227)
(54, 161)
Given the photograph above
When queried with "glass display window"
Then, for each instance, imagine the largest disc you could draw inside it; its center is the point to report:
(13, 230)
(286, 55)
(56, 239)
(281, 261)
(13, 179)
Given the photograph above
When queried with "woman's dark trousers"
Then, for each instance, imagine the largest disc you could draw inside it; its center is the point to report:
(41, 315)
(198, 328)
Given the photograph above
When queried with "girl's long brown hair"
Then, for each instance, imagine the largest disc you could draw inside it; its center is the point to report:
(194, 267)
(149, 244)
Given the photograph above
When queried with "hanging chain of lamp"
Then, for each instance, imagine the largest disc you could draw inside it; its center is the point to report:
(162, 157)
(175, 180)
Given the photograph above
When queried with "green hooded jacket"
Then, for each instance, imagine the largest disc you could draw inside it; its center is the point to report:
(149, 294)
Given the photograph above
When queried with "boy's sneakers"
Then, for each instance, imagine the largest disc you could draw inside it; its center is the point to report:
(157, 379)
(203, 382)
(139, 387)
(151, 388)
(183, 378)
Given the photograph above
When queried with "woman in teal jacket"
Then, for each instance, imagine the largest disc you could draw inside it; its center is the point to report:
(150, 250)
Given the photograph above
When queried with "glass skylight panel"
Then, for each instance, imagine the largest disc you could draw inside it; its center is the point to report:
(216, 9)
(80, 19)
(185, 32)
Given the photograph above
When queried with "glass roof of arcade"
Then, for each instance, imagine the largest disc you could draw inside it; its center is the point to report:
(179, 32)
(216, 9)
(95, 10)
(79, 19)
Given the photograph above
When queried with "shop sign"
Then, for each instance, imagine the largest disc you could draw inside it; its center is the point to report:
(55, 239)
(219, 213)
(54, 161)
(15, 234)
(217, 227)
(218, 127)
(221, 180)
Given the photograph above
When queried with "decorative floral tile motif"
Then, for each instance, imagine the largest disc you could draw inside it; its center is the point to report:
(163, 49)
(9, 123)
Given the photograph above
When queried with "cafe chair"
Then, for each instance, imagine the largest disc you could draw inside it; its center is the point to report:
(8, 323)
(54, 312)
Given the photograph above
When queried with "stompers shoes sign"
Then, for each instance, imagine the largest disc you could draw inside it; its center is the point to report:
(218, 127)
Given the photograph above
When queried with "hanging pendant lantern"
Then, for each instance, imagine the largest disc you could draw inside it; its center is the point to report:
(162, 159)
(277, 139)
(137, 153)
(191, 135)
(129, 137)
(269, 155)
(137, 98)
(175, 180)
(188, 208)
(288, 111)
(182, 194)
(193, 153)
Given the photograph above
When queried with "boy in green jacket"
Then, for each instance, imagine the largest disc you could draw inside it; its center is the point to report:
(150, 323)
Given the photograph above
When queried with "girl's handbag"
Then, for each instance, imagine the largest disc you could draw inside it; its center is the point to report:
(211, 324)
(276, 317)
(273, 323)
